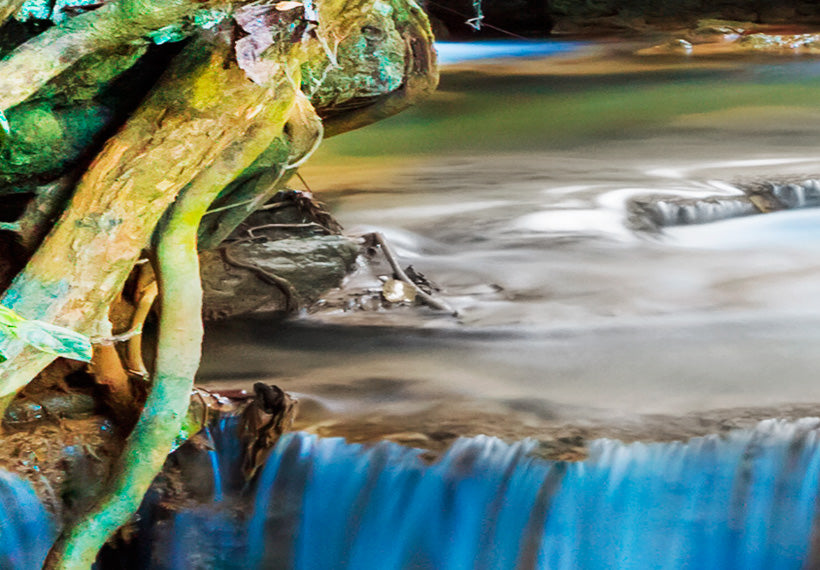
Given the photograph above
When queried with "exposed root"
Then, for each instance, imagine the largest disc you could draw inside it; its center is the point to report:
(40, 213)
(147, 291)
(8, 8)
(178, 353)
(33, 64)
(109, 372)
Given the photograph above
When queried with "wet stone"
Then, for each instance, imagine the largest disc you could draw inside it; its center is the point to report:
(312, 265)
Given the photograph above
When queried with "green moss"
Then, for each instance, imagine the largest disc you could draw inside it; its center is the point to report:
(53, 130)
(371, 62)
(43, 141)
(91, 75)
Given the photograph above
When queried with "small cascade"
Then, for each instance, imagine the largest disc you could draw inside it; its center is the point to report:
(654, 213)
(805, 194)
(746, 501)
(680, 212)
(213, 455)
(26, 531)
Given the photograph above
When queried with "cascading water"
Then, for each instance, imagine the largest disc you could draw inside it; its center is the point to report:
(745, 500)
(26, 531)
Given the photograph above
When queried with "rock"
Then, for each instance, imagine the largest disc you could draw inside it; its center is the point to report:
(74, 405)
(312, 265)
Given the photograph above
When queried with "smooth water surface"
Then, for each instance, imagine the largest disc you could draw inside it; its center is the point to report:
(513, 189)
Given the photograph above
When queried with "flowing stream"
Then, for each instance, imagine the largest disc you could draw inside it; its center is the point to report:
(518, 189)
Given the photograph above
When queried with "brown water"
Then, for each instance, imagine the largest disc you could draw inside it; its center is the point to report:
(510, 189)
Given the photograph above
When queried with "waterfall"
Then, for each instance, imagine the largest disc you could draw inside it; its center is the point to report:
(745, 500)
(26, 531)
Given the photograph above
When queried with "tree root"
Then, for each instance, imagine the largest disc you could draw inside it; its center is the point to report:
(178, 354)
(268, 174)
(109, 373)
(160, 422)
(180, 337)
(420, 78)
(169, 142)
(147, 291)
(45, 56)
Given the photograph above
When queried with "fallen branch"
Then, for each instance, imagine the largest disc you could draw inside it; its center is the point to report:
(399, 274)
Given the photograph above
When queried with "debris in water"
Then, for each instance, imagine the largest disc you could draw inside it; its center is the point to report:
(395, 291)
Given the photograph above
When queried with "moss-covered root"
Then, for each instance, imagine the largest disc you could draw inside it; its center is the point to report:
(45, 56)
(179, 343)
(267, 175)
(178, 354)
(203, 111)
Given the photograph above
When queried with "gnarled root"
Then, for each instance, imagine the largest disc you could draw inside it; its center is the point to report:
(178, 346)
(178, 353)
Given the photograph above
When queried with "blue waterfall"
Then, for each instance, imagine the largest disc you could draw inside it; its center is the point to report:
(746, 500)
(26, 531)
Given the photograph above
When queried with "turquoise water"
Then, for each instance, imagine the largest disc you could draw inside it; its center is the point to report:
(26, 530)
(744, 501)
(459, 52)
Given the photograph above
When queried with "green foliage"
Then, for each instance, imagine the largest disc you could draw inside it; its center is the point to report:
(46, 337)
